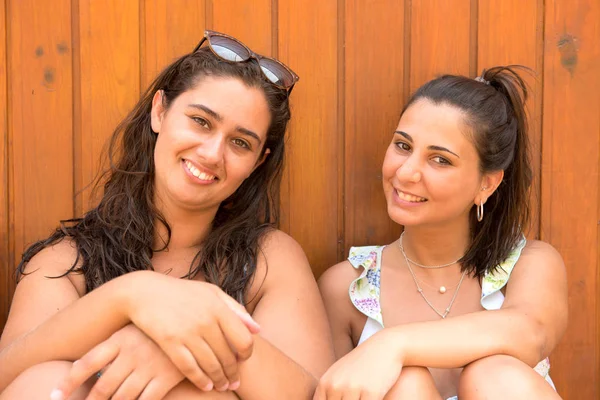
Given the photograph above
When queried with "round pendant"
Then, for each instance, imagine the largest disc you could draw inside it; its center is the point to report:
(442, 289)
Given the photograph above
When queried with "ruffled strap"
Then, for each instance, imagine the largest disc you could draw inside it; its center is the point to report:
(364, 290)
(493, 281)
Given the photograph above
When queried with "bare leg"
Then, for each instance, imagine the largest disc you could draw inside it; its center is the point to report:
(38, 382)
(186, 390)
(414, 383)
(503, 377)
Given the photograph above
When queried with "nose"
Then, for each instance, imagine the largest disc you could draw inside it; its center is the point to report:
(212, 148)
(409, 171)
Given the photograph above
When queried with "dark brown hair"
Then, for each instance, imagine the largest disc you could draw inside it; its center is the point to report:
(496, 121)
(116, 237)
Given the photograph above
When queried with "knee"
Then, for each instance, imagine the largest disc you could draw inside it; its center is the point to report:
(39, 381)
(502, 376)
(414, 382)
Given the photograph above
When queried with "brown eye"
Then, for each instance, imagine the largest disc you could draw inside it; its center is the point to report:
(441, 160)
(241, 143)
(403, 146)
(201, 121)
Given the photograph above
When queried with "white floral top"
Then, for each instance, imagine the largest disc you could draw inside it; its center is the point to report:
(364, 291)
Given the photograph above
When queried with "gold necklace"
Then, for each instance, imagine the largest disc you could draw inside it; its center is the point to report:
(420, 290)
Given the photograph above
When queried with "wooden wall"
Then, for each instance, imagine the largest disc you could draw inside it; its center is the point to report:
(70, 69)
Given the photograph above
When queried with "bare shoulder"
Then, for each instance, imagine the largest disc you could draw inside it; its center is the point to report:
(54, 261)
(336, 280)
(281, 263)
(539, 255)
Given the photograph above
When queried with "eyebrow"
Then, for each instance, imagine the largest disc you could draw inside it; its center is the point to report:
(432, 147)
(219, 118)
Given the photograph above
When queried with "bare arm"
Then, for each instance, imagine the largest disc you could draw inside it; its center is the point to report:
(529, 325)
(293, 348)
(47, 315)
(334, 284)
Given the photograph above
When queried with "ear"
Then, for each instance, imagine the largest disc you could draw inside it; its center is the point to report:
(158, 111)
(261, 160)
(489, 183)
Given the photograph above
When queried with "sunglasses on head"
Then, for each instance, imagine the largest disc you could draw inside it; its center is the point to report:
(230, 49)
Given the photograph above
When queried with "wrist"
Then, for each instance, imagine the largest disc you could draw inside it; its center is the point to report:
(129, 292)
(396, 342)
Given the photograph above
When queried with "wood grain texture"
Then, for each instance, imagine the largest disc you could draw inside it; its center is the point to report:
(6, 277)
(374, 75)
(40, 118)
(440, 33)
(171, 28)
(109, 86)
(308, 44)
(570, 144)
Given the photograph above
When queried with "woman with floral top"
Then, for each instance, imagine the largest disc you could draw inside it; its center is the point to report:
(471, 308)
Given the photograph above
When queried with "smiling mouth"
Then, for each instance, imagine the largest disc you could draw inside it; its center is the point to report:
(410, 197)
(199, 174)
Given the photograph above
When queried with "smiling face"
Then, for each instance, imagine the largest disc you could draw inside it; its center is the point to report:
(210, 139)
(431, 169)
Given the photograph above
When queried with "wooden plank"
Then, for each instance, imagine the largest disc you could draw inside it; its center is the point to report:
(509, 32)
(440, 32)
(109, 83)
(171, 28)
(570, 144)
(374, 71)
(6, 276)
(311, 49)
(249, 21)
(40, 117)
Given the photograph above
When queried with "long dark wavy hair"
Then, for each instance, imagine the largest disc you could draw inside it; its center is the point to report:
(116, 237)
(494, 106)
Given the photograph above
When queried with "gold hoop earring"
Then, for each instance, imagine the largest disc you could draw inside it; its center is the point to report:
(480, 211)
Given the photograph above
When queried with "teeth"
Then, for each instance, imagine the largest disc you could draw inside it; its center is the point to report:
(409, 197)
(197, 173)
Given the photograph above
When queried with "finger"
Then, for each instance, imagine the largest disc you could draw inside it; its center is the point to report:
(320, 393)
(86, 367)
(158, 388)
(208, 361)
(215, 338)
(132, 386)
(239, 338)
(186, 364)
(112, 377)
(240, 311)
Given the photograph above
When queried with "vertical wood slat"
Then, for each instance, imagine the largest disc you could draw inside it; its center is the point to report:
(40, 115)
(570, 157)
(440, 33)
(509, 34)
(248, 21)
(374, 77)
(311, 50)
(171, 28)
(6, 277)
(109, 81)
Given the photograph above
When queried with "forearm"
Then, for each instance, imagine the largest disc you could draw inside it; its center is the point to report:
(458, 341)
(270, 374)
(69, 333)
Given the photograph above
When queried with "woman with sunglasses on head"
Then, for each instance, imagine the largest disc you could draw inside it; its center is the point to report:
(471, 308)
(136, 299)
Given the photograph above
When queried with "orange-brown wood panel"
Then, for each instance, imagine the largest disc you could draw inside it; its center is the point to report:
(40, 118)
(510, 32)
(439, 39)
(570, 146)
(251, 22)
(6, 277)
(171, 29)
(308, 43)
(109, 85)
(374, 80)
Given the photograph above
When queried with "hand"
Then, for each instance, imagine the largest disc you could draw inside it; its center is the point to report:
(367, 373)
(203, 331)
(132, 365)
